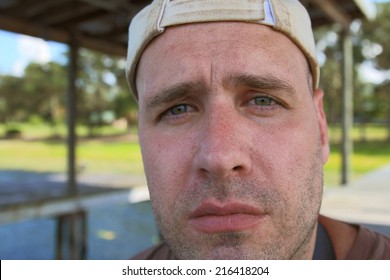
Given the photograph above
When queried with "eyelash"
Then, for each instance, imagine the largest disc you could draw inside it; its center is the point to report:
(274, 102)
(258, 98)
(168, 112)
(181, 107)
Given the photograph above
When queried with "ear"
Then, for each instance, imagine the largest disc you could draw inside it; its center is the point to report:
(318, 103)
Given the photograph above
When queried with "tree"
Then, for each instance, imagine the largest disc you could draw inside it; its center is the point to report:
(371, 46)
(12, 102)
(40, 92)
(103, 90)
(44, 86)
(375, 41)
(331, 77)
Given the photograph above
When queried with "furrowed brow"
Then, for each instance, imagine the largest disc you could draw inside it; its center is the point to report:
(259, 82)
(173, 93)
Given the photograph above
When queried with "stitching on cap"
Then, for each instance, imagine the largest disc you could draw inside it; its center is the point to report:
(268, 11)
(159, 28)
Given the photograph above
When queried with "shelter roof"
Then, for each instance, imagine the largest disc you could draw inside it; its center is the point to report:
(102, 25)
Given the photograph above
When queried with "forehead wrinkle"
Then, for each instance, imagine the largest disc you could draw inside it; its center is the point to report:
(265, 82)
(173, 93)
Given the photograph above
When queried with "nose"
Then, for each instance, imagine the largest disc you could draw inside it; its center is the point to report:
(224, 145)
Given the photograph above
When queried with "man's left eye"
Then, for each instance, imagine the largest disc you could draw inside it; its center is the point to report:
(263, 101)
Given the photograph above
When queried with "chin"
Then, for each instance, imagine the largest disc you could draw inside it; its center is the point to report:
(228, 253)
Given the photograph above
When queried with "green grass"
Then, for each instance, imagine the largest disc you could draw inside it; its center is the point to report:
(122, 156)
(372, 132)
(111, 157)
(41, 130)
(93, 156)
(367, 157)
(32, 156)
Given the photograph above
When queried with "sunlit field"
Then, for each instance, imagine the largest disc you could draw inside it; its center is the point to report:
(120, 154)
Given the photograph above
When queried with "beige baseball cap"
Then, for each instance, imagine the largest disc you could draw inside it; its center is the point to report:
(286, 16)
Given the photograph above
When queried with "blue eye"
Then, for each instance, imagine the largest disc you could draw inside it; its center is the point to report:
(179, 109)
(263, 101)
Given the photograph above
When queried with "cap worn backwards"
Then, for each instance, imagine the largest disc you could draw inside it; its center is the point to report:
(286, 16)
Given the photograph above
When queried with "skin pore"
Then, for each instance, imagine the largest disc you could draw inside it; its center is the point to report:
(233, 140)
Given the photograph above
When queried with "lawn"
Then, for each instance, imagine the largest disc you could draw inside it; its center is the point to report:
(367, 156)
(93, 156)
(121, 155)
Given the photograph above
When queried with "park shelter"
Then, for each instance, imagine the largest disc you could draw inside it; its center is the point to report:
(102, 25)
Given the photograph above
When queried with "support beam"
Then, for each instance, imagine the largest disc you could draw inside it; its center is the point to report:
(368, 8)
(71, 232)
(71, 116)
(347, 120)
(72, 236)
(67, 12)
(107, 5)
(41, 7)
(30, 6)
(64, 205)
(32, 29)
(97, 14)
(334, 12)
(58, 35)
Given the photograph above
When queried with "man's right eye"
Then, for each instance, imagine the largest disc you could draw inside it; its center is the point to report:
(177, 113)
(178, 110)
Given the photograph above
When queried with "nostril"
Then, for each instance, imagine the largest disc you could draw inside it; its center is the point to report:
(237, 168)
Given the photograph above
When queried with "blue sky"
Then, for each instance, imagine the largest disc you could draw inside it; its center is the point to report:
(17, 51)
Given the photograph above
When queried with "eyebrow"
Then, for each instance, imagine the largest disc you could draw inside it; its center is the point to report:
(182, 90)
(259, 82)
(173, 93)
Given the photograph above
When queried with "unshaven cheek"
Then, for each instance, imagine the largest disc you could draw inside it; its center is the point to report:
(284, 151)
(166, 163)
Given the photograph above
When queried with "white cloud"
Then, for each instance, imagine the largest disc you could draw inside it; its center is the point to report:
(30, 50)
(18, 68)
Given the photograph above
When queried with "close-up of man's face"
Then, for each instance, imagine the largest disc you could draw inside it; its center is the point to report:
(233, 139)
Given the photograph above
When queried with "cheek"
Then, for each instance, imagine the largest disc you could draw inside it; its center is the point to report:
(167, 163)
(288, 151)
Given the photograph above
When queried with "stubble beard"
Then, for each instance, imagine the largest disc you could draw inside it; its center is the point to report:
(287, 237)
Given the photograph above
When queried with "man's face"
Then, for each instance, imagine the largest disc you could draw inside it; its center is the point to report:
(233, 142)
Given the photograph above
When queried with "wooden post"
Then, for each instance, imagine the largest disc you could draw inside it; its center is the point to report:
(71, 228)
(72, 236)
(71, 116)
(347, 118)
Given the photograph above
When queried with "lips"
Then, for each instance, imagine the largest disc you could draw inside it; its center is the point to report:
(211, 217)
